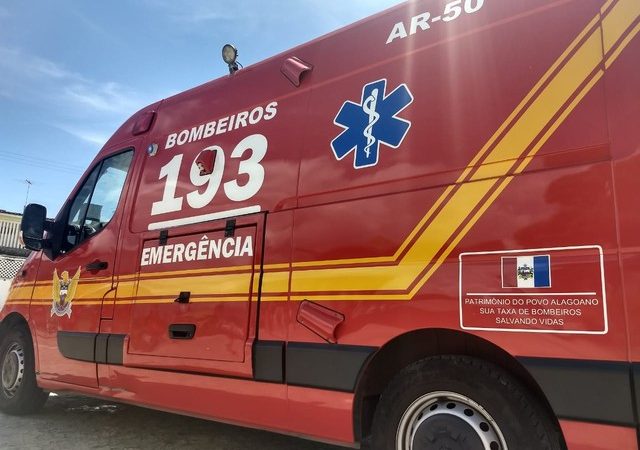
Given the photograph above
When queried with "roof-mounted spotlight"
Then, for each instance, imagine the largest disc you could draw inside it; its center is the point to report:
(229, 56)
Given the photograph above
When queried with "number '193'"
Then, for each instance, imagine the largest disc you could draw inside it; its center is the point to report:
(198, 198)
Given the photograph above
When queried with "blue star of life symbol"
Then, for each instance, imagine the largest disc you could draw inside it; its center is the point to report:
(372, 122)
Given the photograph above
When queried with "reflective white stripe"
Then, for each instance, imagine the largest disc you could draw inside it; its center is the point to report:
(528, 294)
(204, 217)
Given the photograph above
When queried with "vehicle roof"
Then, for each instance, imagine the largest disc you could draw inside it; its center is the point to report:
(124, 132)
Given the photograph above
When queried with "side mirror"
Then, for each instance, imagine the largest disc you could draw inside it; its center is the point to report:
(33, 226)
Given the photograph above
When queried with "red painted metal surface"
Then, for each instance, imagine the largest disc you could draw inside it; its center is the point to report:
(308, 213)
(321, 320)
(582, 436)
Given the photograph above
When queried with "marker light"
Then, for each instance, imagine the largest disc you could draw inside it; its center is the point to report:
(229, 56)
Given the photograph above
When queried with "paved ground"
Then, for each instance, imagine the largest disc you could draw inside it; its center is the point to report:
(71, 422)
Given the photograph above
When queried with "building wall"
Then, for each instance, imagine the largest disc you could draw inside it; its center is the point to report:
(4, 291)
(12, 252)
(10, 230)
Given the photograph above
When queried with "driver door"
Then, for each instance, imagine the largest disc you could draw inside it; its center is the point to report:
(68, 297)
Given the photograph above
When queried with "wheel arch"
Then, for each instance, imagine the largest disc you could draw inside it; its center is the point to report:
(27, 397)
(418, 344)
(16, 319)
(12, 320)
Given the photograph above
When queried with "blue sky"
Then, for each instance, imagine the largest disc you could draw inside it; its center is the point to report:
(72, 71)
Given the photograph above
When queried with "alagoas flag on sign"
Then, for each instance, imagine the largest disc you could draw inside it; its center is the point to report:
(526, 271)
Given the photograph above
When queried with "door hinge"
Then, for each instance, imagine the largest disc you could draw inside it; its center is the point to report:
(230, 228)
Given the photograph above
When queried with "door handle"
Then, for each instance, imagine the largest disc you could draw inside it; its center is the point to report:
(96, 265)
(182, 331)
(183, 297)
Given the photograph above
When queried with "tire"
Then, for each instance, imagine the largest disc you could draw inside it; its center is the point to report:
(460, 403)
(19, 392)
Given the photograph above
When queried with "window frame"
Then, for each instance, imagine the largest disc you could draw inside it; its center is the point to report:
(67, 208)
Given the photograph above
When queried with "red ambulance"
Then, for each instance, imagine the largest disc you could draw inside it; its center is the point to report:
(417, 232)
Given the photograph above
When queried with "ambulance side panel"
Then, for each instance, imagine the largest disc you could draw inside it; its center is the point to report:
(521, 147)
(623, 111)
(248, 130)
(65, 332)
(466, 79)
(508, 155)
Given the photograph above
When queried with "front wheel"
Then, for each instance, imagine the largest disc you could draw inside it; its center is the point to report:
(460, 403)
(19, 392)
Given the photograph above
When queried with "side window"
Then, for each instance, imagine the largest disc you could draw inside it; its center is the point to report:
(97, 200)
(79, 209)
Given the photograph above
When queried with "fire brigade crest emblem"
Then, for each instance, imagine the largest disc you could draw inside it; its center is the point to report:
(525, 272)
(63, 291)
(372, 122)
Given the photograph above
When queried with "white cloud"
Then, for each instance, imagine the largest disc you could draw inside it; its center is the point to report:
(35, 80)
(17, 64)
(199, 15)
(95, 28)
(90, 136)
(335, 14)
(248, 12)
(82, 107)
(107, 97)
(195, 11)
(46, 68)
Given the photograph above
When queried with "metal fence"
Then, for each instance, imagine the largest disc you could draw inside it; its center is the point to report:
(9, 267)
(10, 234)
(12, 252)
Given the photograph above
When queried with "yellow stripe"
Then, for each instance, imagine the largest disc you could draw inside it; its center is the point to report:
(460, 235)
(619, 19)
(273, 298)
(472, 164)
(606, 6)
(20, 292)
(533, 121)
(126, 289)
(170, 301)
(150, 301)
(469, 195)
(177, 273)
(237, 283)
(431, 271)
(563, 85)
(576, 101)
(73, 303)
(93, 290)
(501, 152)
(223, 284)
(497, 164)
(545, 78)
(505, 182)
(622, 46)
(92, 279)
(383, 259)
(276, 266)
(397, 277)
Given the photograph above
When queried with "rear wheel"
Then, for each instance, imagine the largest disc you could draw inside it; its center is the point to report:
(19, 392)
(460, 403)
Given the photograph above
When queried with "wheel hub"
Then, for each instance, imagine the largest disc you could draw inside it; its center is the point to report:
(448, 421)
(445, 432)
(12, 370)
